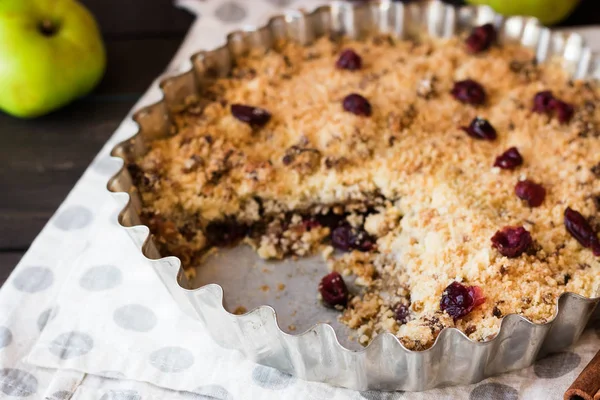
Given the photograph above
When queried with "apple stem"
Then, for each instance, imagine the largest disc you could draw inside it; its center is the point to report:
(47, 28)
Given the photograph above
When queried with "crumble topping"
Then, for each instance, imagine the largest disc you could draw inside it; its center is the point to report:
(405, 157)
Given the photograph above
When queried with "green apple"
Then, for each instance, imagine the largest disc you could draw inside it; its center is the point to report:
(51, 52)
(547, 11)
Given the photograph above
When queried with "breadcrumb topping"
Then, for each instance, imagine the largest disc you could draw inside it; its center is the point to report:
(407, 175)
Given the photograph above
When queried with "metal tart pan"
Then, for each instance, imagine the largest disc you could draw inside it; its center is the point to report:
(320, 351)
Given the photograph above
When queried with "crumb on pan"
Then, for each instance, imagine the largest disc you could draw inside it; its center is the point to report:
(239, 310)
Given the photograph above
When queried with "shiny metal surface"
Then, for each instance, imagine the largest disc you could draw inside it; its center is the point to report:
(316, 353)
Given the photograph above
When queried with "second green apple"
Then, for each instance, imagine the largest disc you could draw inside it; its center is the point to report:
(547, 11)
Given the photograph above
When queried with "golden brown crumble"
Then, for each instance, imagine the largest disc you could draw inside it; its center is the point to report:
(427, 192)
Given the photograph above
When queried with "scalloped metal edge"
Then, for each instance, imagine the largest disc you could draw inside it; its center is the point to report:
(316, 354)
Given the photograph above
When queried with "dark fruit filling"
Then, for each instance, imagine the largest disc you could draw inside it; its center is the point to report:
(349, 60)
(512, 241)
(401, 313)
(331, 220)
(333, 290)
(225, 233)
(346, 238)
(533, 193)
(581, 230)
(510, 159)
(480, 128)
(357, 104)
(469, 92)
(459, 300)
(254, 116)
(310, 223)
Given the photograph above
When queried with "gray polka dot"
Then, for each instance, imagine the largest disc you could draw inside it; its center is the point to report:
(230, 11)
(73, 218)
(61, 395)
(494, 391)
(270, 378)
(556, 365)
(46, 316)
(135, 317)
(107, 165)
(14, 382)
(34, 279)
(121, 395)
(280, 3)
(212, 392)
(172, 359)
(71, 344)
(6, 336)
(101, 277)
(112, 374)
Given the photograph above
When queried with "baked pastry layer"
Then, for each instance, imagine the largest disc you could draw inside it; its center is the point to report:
(406, 177)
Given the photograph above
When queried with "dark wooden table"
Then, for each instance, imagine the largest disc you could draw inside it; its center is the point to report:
(40, 160)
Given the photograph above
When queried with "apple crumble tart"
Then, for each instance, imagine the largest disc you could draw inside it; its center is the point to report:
(455, 179)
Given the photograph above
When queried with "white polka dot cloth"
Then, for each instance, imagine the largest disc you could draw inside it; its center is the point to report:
(84, 317)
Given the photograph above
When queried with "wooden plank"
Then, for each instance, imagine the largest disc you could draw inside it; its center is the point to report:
(8, 260)
(139, 18)
(41, 159)
(134, 63)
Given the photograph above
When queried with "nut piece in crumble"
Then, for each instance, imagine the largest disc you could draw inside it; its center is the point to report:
(357, 149)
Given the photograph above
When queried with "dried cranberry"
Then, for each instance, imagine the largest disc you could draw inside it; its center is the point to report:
(254, 116)
(225, 233)
(533, 193)
(564, 111)
(356, 104)
(480, 128)
(545, 103)
(401, 312)
(341, 237)
(469, 92)
(459, 300)
(512, 241)
(481, 38)
(349, 60)
(346, 238)
(333, 290)
(510, 159)
(542, 102)
(581, 230)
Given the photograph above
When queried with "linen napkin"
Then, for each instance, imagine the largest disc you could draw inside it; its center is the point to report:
(84, 316)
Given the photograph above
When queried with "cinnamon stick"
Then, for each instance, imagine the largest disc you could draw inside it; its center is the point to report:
(587, 384)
